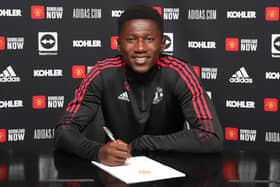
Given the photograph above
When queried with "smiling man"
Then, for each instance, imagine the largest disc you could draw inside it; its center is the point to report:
(149, 101)
(140, 43)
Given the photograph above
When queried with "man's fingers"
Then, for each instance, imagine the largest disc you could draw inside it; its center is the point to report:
(114, 153)
(115, 161)
(120, 154)
(121, 142)
(119, 160)
(120, 145)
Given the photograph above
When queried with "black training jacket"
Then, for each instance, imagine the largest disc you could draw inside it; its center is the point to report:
(165, 109)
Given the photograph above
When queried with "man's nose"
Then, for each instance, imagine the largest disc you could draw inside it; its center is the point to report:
(140, 46)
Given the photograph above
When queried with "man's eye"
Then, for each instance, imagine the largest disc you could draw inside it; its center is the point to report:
(130, 39)
(149, 39)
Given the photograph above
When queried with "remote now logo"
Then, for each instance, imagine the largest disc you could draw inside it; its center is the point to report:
(2, 43)
(171, 13)
(78, 71)
(39, 102)
(248, 135)
(158, 9)
(168, 13)
(271, 104)
(11, 43)
(3, 135)
(37, 12)
(209, 73)
(272, 14)
(205, 72)
(41, 12)
(114, 42)
(15, 135)
(232, 44)
(247, 45)
(231, 133)
(197, 70)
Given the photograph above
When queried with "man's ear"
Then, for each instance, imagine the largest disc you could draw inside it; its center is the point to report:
(163, 44)
(118, 44)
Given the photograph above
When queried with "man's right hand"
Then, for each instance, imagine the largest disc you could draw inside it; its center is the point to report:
(114, 153)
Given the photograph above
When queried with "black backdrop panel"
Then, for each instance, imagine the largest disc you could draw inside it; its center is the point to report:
(47, 47)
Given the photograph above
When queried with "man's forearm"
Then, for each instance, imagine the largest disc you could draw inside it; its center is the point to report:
(70, 140)
(182, 141)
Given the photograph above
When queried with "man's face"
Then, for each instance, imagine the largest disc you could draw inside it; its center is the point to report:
(140, 42)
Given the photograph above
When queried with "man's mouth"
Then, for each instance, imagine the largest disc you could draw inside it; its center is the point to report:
(140, 60)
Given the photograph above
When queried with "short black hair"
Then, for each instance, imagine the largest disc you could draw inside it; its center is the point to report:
(140, 12)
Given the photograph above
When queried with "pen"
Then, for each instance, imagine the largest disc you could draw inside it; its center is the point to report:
(109, 133)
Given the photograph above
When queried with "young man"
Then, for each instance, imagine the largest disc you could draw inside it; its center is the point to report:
(149, 101)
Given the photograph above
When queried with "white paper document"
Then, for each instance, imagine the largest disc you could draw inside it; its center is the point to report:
(140, 169)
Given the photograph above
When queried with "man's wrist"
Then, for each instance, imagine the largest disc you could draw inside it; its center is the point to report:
(129, 148)
(96, 153)
(133, 145)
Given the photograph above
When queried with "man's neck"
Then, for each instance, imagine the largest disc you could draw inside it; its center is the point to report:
(140, 77)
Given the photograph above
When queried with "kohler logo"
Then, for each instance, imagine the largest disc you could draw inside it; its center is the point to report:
(272, 75)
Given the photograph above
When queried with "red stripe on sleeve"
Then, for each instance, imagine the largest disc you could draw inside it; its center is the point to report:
(187, 82)
(86, 85)
(200, 88)
(82, 87)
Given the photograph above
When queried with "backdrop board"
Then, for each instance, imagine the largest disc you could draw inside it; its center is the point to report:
(47, 47)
